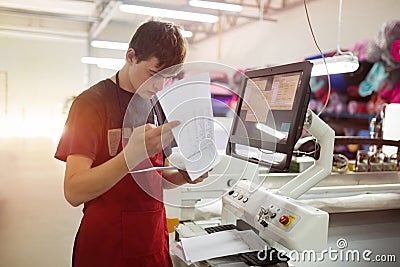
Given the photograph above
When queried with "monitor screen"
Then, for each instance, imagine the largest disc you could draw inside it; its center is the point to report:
(270, 114)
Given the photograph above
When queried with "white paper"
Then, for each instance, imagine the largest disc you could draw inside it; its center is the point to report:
(178, 251)
(189, 101)
(220, 244)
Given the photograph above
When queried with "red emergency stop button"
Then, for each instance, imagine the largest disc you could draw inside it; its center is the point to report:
(284, 220)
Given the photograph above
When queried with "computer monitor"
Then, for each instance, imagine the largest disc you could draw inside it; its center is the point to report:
(270, 114)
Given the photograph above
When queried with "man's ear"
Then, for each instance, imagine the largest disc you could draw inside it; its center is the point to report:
(130, 56)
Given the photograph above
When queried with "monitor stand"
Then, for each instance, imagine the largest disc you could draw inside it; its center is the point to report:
(322, 167)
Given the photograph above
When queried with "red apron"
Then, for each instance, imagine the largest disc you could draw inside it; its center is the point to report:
(125, 226)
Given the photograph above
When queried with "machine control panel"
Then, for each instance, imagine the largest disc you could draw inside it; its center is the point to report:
(278, 217)
(270, 214)
(239, 195)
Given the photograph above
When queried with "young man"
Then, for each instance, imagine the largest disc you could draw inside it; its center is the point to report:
(122, 224)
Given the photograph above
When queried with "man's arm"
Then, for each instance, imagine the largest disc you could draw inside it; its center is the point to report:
(83, 183)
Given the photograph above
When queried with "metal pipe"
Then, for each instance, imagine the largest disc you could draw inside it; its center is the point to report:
(5, 92)
(29, 31)
(48, 14)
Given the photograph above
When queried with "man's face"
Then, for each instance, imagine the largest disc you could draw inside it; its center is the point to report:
(144, 78)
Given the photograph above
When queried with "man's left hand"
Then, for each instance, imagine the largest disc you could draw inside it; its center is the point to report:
(186, 177)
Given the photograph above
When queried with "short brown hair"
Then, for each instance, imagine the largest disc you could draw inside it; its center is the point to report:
(159, 39)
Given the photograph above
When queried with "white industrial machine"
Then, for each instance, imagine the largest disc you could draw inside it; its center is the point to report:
(277, 215)
(181, 201)
(270, 116)
(277, 218)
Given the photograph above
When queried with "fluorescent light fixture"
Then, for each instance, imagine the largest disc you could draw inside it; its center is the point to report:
(342, 62)
(104, 63)
(168, 13)
(109, 45)
(186, 34)
(216, 5)
(335, 64)
(124, 46)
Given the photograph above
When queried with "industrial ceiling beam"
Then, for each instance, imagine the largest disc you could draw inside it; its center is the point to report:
(192, 9)
(106, 16)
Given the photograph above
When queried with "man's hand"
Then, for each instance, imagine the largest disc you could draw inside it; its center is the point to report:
(186, 177)
(146, 141)
(176, 178)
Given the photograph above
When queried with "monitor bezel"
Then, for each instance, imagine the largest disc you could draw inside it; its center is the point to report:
(301, 100)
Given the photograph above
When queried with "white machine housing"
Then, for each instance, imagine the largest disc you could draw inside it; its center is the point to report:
(306, 227)
(277, 215)
(181, 201)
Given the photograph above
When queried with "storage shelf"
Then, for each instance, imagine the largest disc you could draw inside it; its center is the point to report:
(347, 115)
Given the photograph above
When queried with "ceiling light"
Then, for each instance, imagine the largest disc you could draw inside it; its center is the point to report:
(335, 64)
(216, 5)
(168, 13)
(186, 34)
(124, 46)
(109, 45)
(341, 62)
(104, 63)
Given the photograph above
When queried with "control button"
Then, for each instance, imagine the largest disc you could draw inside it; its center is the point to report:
(240, 197)
(235, 194)
(284, 219)
(245, 199)
(271, 206)
(231, 192)
(273, 215)
(264, 223)
(278, 210)
(231, 182)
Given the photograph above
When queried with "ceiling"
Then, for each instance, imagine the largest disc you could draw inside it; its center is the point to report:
(86, 19)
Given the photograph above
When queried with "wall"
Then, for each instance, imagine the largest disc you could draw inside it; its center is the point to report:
(289, 39)
(37, 225)
(42, 73)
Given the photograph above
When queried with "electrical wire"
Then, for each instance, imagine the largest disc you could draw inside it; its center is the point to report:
(297, 152)
(323, 58)
(317, 147)
(338, 50)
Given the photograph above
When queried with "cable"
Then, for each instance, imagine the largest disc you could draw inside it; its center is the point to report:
(323, 58)
(339, 51)
(339, 28)
(297, 153)
(304, 153)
